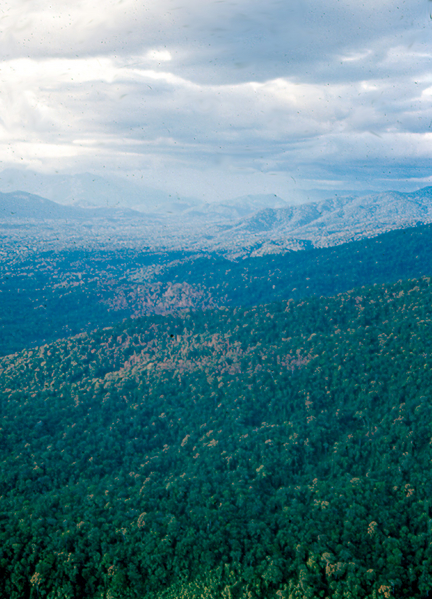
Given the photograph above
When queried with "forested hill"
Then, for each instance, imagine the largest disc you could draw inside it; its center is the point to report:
(46, 295)
(279, 451)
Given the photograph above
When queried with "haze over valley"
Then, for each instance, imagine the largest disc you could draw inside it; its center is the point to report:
(252, 225)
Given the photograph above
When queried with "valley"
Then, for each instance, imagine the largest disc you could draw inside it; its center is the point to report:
(56, 290)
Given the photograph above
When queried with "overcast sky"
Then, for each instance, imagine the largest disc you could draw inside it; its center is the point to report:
(219, 98)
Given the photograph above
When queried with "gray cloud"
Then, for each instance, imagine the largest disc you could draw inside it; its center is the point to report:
(221, 41)
(255, 93)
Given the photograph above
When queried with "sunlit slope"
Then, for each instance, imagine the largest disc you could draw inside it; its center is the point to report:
(48, 295)
(272, 451)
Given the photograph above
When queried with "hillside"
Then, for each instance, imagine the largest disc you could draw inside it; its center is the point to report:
(46, 295)
(278, 451)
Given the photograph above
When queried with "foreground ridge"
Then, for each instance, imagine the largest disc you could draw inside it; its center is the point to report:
(280, 450)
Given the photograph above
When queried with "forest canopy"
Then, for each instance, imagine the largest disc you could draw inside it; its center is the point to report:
(277, 451)
(47, 294)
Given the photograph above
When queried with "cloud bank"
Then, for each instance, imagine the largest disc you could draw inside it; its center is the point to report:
(219, 98)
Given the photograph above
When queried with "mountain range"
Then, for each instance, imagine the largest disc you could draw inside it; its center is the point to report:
(335, 219)
(338, 220)
(267, 221)
(83, 189)
(87, 190)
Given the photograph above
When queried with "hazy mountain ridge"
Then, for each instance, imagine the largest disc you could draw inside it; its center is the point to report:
(83, 189)
(253, 225)
(86, 190)
(340, 219)
(20, 204)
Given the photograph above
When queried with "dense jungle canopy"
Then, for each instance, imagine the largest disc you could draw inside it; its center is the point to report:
(279, 451)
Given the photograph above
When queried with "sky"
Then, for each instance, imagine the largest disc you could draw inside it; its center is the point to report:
(214, 99)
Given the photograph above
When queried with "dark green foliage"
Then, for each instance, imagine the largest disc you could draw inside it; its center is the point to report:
(48, 295)
(279, 451)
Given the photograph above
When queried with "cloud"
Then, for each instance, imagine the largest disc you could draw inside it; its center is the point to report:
(247, 89)
(218, 40)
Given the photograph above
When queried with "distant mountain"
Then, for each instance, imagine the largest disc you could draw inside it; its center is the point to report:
(253, 224)
(340, 219)
(90, 191)
(21, 204)
(87, 190)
